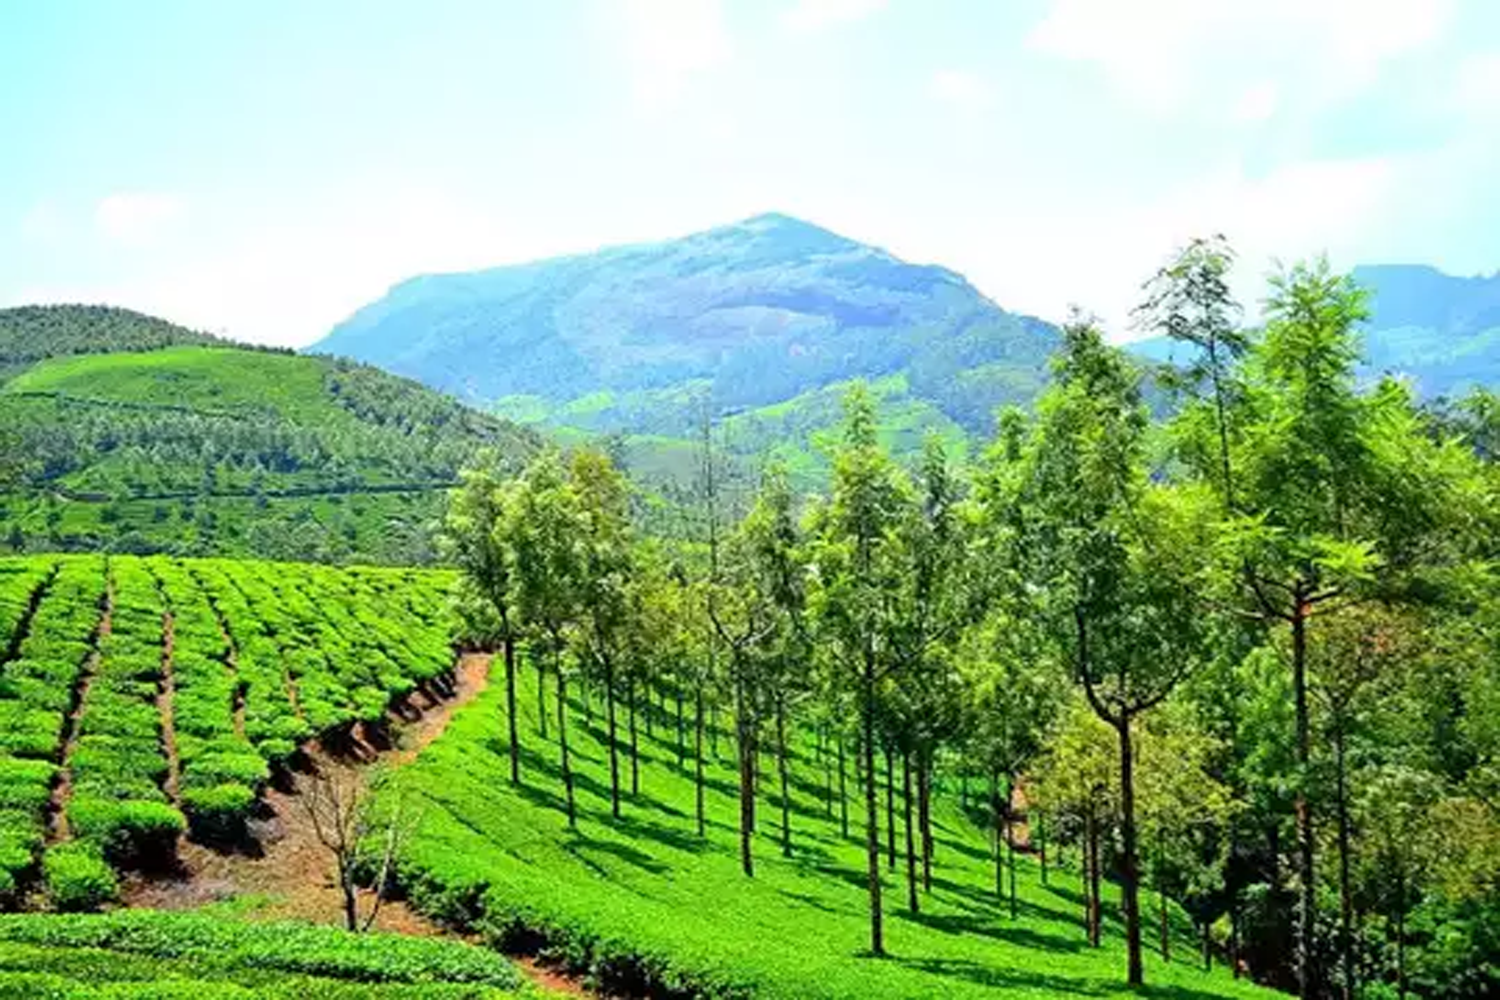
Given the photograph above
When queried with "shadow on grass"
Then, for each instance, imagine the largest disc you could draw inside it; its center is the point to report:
(1005, 977)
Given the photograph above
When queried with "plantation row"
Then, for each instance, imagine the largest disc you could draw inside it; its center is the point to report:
(140, 698)
(137, 953)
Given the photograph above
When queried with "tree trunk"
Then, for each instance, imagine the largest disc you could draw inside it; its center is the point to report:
(1129, 867)
(1307, 901)
(890, 811)
(1010, 841)
(1083, 876)
(911, 842)
(872, 814)
(747, 780)
(509, 650)
(698, 759)
(562, 739)
(541, 700)
(1208, 945)
(786, 791)
(997, 836)
(1095, 907)
(924, 815)
(1401, 936)
(681, 729)
(1346, 893)
(713, 729)
(1041, 839)
(635, 749)
(614, 747)
(827, 761)
(346, 885)
(843, 791)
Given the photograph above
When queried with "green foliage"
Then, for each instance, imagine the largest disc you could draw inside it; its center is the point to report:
(641, 900)
(207, 449)
(78, 877)
(262, 656)
(161, 954)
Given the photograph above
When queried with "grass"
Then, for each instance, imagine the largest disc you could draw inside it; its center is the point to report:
(213, 955)
(644, 898)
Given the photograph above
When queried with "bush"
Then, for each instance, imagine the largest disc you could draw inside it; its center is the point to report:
(219, 812)
(78, 877)
(132, 830)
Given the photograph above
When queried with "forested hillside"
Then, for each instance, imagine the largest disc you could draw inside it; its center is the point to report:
(130, 446)
(760, 317)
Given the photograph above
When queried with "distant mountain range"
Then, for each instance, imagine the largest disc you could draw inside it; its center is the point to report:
(760, 323)
(1441, 331)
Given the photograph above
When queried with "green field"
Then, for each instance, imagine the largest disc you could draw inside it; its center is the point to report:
(108, 663)
(144, 954)
(643, 899)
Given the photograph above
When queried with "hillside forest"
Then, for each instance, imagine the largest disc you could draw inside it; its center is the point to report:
(1239, 662)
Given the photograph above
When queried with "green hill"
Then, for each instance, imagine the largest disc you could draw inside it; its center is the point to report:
(641, 900)
(197, 448)
(643, 340)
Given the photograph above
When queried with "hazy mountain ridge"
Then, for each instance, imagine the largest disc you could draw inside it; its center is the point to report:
(755, 313)
(1439, 330)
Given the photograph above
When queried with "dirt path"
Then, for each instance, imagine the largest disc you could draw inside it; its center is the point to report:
(291, 869)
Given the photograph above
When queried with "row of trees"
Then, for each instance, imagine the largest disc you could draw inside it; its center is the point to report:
(1207, 653)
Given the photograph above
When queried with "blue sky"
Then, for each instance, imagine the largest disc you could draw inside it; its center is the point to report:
(264, 168)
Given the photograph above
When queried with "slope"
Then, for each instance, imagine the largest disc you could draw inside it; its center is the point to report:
(205, 449)
(640, 339)
(643, 902)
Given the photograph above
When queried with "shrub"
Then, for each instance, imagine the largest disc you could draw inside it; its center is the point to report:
(132, 830)
(78, 877)
(219, 812)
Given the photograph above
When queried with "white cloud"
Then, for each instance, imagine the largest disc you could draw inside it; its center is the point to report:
(1257, 103)
(668, 43)
(960, 87)
(1174, 56)
(1477, 87)
(1060, 255)
(814, 15)
(290, 282)
(136, 218)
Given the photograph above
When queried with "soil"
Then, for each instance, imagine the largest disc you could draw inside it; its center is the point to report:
(286, 868)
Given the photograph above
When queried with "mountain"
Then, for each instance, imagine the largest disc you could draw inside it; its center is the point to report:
(1441, 331)
(762, 313)
(141, 436)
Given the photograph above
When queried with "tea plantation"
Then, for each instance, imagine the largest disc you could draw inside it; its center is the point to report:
(144, 697)
(144, 954)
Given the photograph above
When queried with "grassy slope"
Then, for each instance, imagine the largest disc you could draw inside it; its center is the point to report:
(217, 957)
(645, 885)
(200, 450)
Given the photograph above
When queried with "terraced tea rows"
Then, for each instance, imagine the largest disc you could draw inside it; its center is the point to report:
(143, 697)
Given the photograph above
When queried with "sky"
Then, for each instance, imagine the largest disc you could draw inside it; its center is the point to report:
(263, 168)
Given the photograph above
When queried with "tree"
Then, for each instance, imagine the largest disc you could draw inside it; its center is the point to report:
(856, 564)
(347, 820)
(1111, 561)
(544, 527)
(475, 541)
(605, 571)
